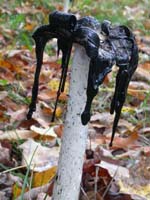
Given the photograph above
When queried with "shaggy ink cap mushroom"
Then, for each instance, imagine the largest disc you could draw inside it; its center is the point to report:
(59, 19)
(90, 22)
(105, 27)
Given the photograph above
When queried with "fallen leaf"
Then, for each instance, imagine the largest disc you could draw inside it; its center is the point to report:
(142, 191)
(7, 181)
(17, 189)
(10, 75)
(48, 95)
(17, 134)
(125, 142)
(29, 27)
(12, 105)
(127, 109)
(103, 118)
(18, 115)
(147, 24)
(42, 178)
(26, 124)
(42, 119)
(59, 112)
(140, 94)
(130, 154)
(42, 195)
(3, 94)
(146, 151)
(11, 66)
(38, 157)
(142, 74)
(124, 123)
(2, 108)
(5, 155)
(46, 109)
(145, 130)
(116, 171)
(59, 130)
(146, 65)
(47, 131)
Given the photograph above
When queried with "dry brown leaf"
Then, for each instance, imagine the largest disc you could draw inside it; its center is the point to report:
(139, 94)
(142, 74)
(146, 65)
(7, 181)
(4, 155)
(3, 94)
(26, 124)
(42, 119)
(45, 76)
(116, 171)
(40, 158)
(18, 115)
(10, 66)
(100, 140)
(48, 95)
(46, 109)
(2, 109)
(145, 130)
(139, 85)
(47, 131)
(59, 130)
(147, 24)
(17, 134)
(20, 57)
(125, 142)
(4, 71)
(133, 154)
(8, 103)
(146, 150)
(142, 192)
(124, 123)
(103, 118)
(42, 195)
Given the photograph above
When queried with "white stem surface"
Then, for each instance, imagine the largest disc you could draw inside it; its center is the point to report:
(67, 184)
(66, 5)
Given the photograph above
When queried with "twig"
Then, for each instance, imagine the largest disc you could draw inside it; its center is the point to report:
(96, 179)
(105, 192)
(12, 169)
(84, 193)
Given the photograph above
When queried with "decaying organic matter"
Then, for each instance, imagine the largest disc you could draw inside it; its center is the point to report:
(118, 46)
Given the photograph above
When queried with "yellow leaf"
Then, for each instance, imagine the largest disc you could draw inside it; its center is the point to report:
(58, 112)
(29, 27)
(54, 85)
(41, 178)
(127, 109)
(139, 190)
(16, 190)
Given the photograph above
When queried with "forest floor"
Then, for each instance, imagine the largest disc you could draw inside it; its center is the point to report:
(29, 149)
